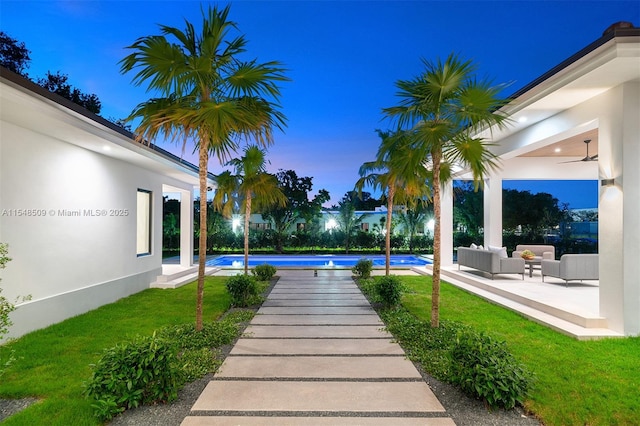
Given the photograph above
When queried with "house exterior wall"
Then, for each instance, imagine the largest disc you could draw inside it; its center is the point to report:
(69, 216)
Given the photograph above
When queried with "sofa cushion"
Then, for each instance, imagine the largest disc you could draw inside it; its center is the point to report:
(502, 251)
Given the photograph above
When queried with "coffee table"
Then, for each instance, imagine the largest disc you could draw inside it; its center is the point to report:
(531, 262)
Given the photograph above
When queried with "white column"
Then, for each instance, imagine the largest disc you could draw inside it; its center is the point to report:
(618, 207)
(186, 228)
(631, 213)
(446, 225)
(493, 211)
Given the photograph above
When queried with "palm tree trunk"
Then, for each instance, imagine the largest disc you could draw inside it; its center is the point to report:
(436, 155)
(202, 240)
(247, 213)
(387, 240)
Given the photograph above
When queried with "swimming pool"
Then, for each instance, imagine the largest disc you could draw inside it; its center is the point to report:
(316, 261)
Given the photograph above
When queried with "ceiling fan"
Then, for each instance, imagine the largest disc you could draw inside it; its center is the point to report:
(587, 158)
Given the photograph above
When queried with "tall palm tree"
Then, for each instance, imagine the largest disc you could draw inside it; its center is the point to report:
(206, 95)
(255, 184)
(391, 173)
(442, 109)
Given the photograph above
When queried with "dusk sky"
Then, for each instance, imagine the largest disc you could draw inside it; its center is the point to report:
(343, 58)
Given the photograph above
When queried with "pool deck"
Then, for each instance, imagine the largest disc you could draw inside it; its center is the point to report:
(572, 310)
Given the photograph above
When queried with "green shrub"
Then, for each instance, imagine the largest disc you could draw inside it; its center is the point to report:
(362, 269)
(423, 344)
(6, 307)
(483, 367)
(264, 272)
(389, 290)
(195, 363)
(212, 335)
(141, 371)
(243, 290)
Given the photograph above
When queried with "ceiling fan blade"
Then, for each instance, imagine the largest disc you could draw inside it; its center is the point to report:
(587, 158)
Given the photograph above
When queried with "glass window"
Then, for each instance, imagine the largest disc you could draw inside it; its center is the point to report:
(143, 238)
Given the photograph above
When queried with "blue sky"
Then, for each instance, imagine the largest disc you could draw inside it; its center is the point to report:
(343, 58)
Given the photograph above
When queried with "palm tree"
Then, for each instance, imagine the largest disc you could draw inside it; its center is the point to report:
(255, 184)
(412, 220)
(398, 182)
(442, 109)
(207, 95)
(348, 222)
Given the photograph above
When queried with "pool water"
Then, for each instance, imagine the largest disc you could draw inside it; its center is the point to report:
(318, 261)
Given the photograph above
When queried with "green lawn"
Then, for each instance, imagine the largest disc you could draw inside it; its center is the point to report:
(577, 382)
(54, 362)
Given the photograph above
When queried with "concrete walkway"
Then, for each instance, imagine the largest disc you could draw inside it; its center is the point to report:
(316, 354)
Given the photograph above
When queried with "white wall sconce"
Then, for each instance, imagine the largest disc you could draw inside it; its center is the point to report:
(607, 182)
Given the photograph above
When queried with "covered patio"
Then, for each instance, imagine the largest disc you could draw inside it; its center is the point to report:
(572, 310)
(593, 95)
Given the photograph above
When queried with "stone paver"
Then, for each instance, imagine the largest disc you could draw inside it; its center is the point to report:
(317, 332)
(316, 421)
(317, 302)
(327, 367)
(316, 310)
(316, 347)
(371, 319)
(317, 354)
(317, 396)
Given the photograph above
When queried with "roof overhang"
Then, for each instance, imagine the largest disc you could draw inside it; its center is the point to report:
(30, 106)
(608, 62)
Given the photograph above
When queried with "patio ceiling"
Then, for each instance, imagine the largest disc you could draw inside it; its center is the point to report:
(570, 147)
(589, 73)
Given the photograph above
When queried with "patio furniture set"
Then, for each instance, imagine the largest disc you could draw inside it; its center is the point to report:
(494, 260)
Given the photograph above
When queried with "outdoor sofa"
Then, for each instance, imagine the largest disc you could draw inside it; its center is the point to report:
(572, 267)
(492, 261)
(543, 251)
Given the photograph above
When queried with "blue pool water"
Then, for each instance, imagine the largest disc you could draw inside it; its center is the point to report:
(318, 261)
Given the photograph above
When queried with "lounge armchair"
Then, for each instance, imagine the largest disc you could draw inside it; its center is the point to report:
(572, 267)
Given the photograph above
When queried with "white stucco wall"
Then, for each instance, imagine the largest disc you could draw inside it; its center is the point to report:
(69, 217)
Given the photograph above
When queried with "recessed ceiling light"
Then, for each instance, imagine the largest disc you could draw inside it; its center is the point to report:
(522, 120)
(557, 150)
(106, 148)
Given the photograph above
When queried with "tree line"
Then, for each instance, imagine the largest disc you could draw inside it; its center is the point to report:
(15, 56)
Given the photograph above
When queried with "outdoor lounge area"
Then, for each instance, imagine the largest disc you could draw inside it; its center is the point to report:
(572, 310)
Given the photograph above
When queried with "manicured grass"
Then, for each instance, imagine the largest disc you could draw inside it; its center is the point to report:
(54, 362)
(577, 382)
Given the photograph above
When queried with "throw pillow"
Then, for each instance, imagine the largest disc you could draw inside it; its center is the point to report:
(473, 246)
(502, 251)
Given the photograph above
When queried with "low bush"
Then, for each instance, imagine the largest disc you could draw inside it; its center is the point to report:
(362, 269)
(264, 272)
(195, 363)
(130, 374)
(484, 368)
(243, 290)
(212, 335)
(153, 369)
(424, 344)
(389, 290)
